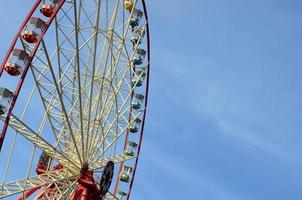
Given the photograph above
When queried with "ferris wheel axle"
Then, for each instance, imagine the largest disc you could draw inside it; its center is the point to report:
(89, 188)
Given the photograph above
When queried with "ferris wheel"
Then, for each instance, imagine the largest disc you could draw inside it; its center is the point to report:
(73, 97)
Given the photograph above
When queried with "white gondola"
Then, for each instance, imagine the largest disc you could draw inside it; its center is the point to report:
(139, 56)
(6, 97)
(136, 17)
(137, 36)
(126, 174)
(121, 195)
(139, 77)
(131, 148)
(137, 101)
(135, 126)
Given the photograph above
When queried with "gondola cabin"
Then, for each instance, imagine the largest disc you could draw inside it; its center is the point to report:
(6, 97)
(139, 57)
(125, 176)
(139, 77)
(33, 30)
(48, 7)
(136, 17)
(128, 5)
(137, 101)
(17, 61)
(121, 195)
(131, 148)
(137, 36)
(135, 125)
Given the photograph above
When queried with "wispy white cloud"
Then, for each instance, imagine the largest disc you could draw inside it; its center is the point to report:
(238, 114)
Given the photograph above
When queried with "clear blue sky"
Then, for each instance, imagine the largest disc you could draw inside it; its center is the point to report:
(224, 116)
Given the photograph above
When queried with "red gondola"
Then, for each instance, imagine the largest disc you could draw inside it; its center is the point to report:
(33, 29)
(16, 62)
(48, 7)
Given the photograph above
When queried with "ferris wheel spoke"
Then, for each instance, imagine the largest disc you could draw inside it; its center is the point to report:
(33, 137)
(38, 181)
(97, 129)
(77, 63)
(96, 122)
(108, 109)
(59, 189)
(111, 105)
(98, 138)
(122, 78)
(115, 159)
(88, 17)
(66, 118)
(43, 86)
(72, 110)
(95, 33)
(53, 107)
(107, 40)
(54, 85)
(15, 135)
(64, 68)
(112, 96)
(89, 100)
(102, 139)
(60, 48)
(63, 53)
(122, 115)
(99, 152)
(69, 190)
